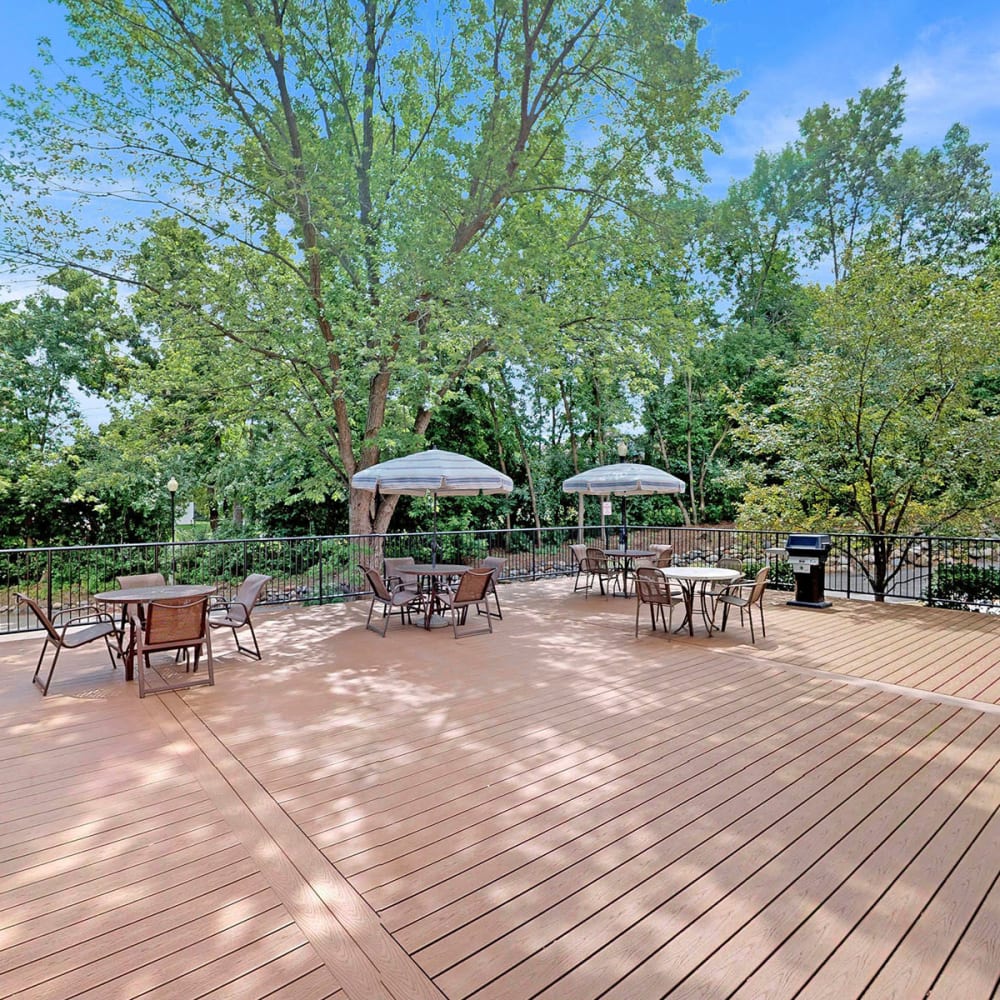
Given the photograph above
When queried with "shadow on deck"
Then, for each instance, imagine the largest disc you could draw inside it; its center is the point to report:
(556, 810)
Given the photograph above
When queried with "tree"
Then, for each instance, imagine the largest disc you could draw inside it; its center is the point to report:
(879, 427)
(846, 154)
(64, 341)
(357, 181)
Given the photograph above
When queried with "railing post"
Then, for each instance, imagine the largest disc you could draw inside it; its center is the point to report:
(48, 581)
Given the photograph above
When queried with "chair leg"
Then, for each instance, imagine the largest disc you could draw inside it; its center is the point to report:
(52, 668)
(255, 652)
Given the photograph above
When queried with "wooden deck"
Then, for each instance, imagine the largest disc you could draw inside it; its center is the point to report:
(557, 810)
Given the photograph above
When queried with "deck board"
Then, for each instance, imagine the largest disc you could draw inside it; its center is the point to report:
(557, 810)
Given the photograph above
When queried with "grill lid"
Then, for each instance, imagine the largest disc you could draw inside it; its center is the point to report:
(820, 543)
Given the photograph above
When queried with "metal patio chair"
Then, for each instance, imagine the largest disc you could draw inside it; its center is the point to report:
(88, 624)
(653, 589)
(399, 598)
(179, 627)
(472, 591)
(236, 613)
(746, 597)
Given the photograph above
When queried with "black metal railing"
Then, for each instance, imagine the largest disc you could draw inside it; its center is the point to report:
(950, 572)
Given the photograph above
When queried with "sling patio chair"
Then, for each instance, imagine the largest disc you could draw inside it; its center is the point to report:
(236, 613)
(399, 598)
(72, 628)
(652, 588)
(472, 591)
(579, 554)
(394, 576)
(496, 564)
(663, 555)
(746, 596)
(179, 627)
(139, 580)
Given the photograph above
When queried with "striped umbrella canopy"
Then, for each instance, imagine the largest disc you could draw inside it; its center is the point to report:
(623, 479)
(435, 472)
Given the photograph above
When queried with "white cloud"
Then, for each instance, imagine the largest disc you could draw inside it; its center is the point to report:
(951, 66)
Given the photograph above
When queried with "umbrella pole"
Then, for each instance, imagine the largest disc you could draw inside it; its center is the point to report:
(434, 535)
(623, 534)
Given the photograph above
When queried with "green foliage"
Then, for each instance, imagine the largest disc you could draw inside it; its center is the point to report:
(963, 584)
(367, 207)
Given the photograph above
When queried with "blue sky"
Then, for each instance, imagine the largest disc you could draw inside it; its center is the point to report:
(796, 54)
(790, 54)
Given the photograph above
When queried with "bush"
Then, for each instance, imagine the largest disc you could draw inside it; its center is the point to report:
(964, 585)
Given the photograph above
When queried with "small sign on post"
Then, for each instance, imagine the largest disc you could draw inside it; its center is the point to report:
(605, 507)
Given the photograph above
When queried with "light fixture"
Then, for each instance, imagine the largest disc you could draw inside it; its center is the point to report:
(622, 451)
(172, 485)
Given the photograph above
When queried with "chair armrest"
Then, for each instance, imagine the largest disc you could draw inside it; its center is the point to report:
(80, 615)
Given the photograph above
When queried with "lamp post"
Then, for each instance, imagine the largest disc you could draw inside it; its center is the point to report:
(172, 485)
(623, 531)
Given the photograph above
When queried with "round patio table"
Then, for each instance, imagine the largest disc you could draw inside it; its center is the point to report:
(626, 556)
(689, 577)
(148, 595)
(435, 573)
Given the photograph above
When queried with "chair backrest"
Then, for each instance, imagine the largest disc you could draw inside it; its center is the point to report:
(170, 623)
(651, 586)
(759, 585)
(665, 556)
(248, 595)
(393, 565)
(579, 552)
(726, 562)
(472, 586)
(376, 582)
(596, 559)
(142, 580)
(494, 563)
(40, 615)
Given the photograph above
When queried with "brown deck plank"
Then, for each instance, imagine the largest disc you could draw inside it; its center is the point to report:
(108, 955)
(845, 859)
(973, 968)
(560, 807)
(912, 968)
(668, 812)
(298, 974)
(774, 813)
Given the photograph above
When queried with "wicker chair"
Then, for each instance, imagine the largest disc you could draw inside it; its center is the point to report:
(235, 613)
(711, 592)
(596, 566)
(746, 597)
(399, 598)
(653, 589)
(88, 625)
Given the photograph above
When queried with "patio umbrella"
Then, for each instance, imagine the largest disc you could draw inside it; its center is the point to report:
(434, 472)
(623, 479)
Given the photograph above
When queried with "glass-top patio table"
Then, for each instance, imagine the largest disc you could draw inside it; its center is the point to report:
(627, 557)
(435, 573)
(689, 577)
(148, 595)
